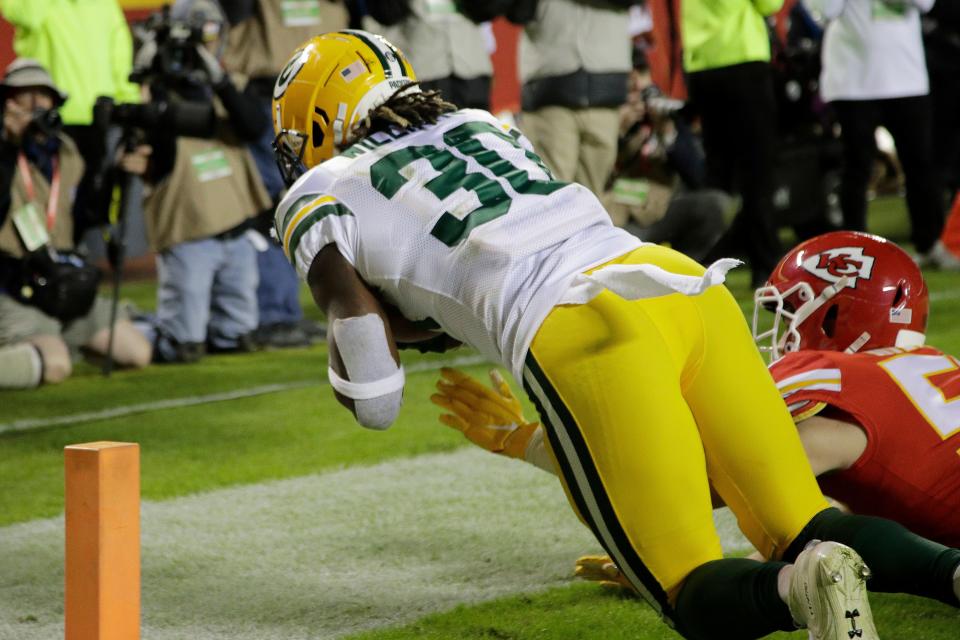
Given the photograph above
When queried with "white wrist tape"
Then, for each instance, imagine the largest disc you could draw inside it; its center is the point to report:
(537, 453)
(366, 390)
(376, 381)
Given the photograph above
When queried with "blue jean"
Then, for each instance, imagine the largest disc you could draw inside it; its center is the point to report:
(207, 291)
(262, 151)
(278, 295)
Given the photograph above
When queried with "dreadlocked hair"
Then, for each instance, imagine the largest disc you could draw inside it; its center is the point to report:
(404, 111)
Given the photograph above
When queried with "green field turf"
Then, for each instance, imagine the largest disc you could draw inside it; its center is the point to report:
(586, 611)
(294, 431)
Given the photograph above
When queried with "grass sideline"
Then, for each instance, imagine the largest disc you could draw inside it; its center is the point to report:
(204, 447)
(303, 431)
(588, 611)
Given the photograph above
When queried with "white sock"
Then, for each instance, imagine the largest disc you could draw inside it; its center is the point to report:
(20, 366)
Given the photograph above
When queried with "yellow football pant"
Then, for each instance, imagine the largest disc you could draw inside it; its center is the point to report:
(642, 402)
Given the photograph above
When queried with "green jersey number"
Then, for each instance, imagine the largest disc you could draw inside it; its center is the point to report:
(385, 174)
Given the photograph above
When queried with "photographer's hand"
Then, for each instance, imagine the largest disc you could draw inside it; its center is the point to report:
(16, 119)
(135, 162)
(211, 66)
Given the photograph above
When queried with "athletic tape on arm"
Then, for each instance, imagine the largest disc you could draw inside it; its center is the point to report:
(376, 381)
(367, 390)
(537, 453)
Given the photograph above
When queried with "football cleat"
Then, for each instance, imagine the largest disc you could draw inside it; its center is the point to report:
(828, 593)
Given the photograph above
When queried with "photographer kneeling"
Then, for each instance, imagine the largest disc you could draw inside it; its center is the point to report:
(49, 309)
(205, 193)
(657, 188)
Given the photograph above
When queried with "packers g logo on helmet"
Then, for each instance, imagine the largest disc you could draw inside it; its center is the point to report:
(290, 71)
(329, 85)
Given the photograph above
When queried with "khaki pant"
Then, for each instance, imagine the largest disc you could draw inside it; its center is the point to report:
(579, 145)
(19, 322)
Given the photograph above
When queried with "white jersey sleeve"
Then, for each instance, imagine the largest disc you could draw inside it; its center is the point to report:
(309, 218)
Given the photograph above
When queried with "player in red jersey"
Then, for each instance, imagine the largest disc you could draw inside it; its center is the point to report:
(882, 432)
(878, 413)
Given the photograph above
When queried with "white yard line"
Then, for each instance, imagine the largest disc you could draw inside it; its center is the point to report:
(323, 556)
(29, 424)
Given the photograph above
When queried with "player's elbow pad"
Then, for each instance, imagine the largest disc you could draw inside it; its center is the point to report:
(376, 381)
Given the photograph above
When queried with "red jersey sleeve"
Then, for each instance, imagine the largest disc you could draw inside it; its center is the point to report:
(806, 381)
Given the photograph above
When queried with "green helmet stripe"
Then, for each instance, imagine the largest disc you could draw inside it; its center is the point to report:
(397, 57)
(376, 48)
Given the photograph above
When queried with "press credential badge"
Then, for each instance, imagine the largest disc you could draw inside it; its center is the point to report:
(29, 226)
(211, 165)
(300, 13)
(439, 10)
(889, 9)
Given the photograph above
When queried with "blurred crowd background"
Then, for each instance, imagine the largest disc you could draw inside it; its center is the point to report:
(137, 142)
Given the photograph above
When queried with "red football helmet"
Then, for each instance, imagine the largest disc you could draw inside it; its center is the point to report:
(843, 291)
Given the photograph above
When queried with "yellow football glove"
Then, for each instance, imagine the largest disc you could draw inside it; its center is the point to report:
(604, 570)
(490, 418)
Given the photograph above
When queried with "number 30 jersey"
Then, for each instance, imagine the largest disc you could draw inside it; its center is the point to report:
(908, 403)
(458, 223)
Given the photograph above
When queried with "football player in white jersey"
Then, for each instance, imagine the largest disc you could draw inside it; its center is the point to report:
(642, 368)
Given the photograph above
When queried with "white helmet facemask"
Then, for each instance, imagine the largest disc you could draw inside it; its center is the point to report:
(771, 341)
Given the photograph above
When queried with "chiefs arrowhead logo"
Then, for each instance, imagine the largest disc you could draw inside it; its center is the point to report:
(833, 264)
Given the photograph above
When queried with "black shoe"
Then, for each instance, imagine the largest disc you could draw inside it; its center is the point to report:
(168, 351)
(242, 344)
(281, 335)
(315, 331)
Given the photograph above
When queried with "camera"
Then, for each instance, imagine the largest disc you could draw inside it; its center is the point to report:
(658, 104)
(169, 64)
(47, 122)
(174, 42)
(174, 118)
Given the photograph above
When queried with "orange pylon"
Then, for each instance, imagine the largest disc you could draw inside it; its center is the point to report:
(102, 571)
